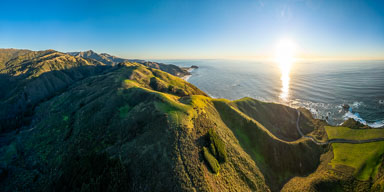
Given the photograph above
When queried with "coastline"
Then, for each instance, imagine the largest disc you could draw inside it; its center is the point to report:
(189, 70)
(185, 78)
(313, 107)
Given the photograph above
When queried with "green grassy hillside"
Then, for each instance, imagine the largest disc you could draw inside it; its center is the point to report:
(364, 158)
(112, 60)
(346, 166)
(72, 124)
(146, 129)
(35, 76)
(279, 160)
(280, 120)
(29, 77)
(353, 134)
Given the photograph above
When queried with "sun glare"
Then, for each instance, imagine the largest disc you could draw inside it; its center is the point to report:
(285, 52)
(285, 57)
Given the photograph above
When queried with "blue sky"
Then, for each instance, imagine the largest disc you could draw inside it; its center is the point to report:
(181, 29)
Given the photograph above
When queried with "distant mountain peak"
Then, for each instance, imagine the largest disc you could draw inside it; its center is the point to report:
(113, 60)
(49, 51)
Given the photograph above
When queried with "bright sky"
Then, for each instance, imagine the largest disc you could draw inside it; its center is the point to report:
(196, 29)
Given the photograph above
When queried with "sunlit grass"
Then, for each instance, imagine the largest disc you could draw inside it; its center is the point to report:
(353, 134)
(365, 158)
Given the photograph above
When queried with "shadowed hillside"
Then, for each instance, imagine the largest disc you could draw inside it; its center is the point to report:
(142, 139)
(278, 159)
(25, 82)
(70, 123)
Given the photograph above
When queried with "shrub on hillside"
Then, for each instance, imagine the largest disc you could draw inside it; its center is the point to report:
(211, 160)
(213, 149)
(217, 146)
(158, 84)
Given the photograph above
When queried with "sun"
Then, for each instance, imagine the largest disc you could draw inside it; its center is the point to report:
(285, 56)
(285, 53)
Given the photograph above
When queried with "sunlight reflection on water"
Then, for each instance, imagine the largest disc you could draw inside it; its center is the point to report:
(285, 68)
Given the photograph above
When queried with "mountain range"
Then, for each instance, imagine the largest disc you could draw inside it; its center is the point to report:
(113, 60)
(83, 121)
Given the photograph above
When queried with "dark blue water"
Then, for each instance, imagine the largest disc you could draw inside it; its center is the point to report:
(321, 87)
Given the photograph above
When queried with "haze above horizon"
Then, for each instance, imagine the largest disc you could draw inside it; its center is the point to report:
(214, 29)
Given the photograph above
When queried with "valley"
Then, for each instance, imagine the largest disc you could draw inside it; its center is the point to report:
(93, 122)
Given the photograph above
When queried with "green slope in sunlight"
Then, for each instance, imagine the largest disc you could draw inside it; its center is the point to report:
(70, 123)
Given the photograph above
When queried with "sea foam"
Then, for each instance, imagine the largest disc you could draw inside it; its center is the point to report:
(356, 117)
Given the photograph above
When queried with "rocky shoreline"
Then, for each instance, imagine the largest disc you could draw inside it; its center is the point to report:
(189, 70)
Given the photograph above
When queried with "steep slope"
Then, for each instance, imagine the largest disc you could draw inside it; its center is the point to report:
(98, 57)
(118, 59)
(36, 63)
(121, 131)
(273, 116)
(113, 60)
(278, 159)
(8, 54)
(25, 81)
(346, 166)
(71, 123)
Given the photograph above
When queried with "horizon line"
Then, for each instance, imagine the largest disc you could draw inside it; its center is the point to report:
(239, 58)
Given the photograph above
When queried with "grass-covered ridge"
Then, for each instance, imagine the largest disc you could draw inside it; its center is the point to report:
(9, 54)
(300, 156)
(149, 126)
(280, 120)
(364, 158)
(130, 127)
(353, 134)
(347, 166)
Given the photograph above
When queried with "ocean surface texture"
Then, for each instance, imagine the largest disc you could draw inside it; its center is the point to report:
(322, 87)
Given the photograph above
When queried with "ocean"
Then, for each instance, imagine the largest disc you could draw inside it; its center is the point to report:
(333, 91)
